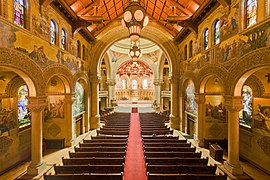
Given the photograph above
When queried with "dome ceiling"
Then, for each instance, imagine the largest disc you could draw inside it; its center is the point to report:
(134, 68)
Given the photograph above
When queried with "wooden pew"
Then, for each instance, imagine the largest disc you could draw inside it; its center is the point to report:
(94, 160)
(159, 137)
(109, 137)
(173, 154)
(101, 149)
(103, 144)
(78, 169)
(170, 149)
(152, 176)
(168, 144)
(112, 132)
(157, 132)
(104, 140)
(181, 169)
(92, 176)
(176, 160)
(164, 140)
(96, 154)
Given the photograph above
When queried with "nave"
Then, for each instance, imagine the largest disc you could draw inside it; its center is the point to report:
(166, 153)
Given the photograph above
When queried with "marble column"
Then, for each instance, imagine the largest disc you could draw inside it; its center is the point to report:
(174, 116)
(200, 99)
(233, 104)
(36, 106)
(70, 122)
(111, 86)
(158, 83)
(95, 117)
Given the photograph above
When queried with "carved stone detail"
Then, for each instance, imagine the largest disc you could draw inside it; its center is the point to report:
(215, 130)
(233, 103)
(264, 144)
(37, 104)
(54, 130)
(256, 85)
(158, 82)
(5, 144)
(200, 98)
(13, 86)
(111, 82)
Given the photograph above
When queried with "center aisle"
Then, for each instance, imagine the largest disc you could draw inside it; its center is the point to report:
(135, 164)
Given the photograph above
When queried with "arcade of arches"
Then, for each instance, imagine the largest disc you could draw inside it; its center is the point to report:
(209, 73)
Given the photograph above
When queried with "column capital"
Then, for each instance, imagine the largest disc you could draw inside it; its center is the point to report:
(158, 82)
(200, 98)
(37, 104)
(94, 78)
(69, 98)
(111, 82)
(234, 103)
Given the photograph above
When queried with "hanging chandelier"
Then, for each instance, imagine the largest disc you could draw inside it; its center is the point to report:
(135, 19)
(135, 52)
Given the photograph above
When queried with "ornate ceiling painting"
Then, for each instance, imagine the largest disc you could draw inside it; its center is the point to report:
(90, 17)
(134, 68)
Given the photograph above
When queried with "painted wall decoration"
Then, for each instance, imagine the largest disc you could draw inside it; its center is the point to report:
(54, 130)
(261, 113)
(54, 108)
(190, 103)
(245, 115)
(7, 119)
(24, 115)
(7, 35)
(215, 110)
(78, 105)
(229, 24)
(40, 26)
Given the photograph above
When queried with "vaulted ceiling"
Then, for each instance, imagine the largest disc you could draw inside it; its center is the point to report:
(90, 20)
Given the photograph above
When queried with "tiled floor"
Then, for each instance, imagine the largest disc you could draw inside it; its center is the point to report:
(55, 157)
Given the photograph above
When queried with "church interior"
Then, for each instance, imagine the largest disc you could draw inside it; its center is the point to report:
(134, 89)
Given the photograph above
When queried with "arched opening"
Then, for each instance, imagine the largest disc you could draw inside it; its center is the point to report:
(78, 108)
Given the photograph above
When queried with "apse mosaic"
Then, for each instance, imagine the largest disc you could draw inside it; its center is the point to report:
(245, 115)
(215, 110)
(78, 105)
(24, 115)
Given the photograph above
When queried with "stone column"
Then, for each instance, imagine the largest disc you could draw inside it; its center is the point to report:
(233, 105)
(200, 99)
(95, 117)
(158, 83)
(174, 116)
(87, 112)
(111, 86)
(70, 122)
(36, 106)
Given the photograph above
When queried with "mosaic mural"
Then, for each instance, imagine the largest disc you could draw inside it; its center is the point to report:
(54, 108)
(215, 110)
(78, 104)
(7, 119)
(261, 113)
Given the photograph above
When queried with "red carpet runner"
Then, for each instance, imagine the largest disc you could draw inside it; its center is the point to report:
(135, 164)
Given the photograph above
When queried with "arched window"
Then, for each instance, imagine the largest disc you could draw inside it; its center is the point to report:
(205, 39)
(245, 115)
(145, 84)
(251, 12)
(24, 117)
(64, 39)
(134, 84)
(78, 48)
(53, 28)
(19, 12)
(124, 84)
(83, 52)
(216, 32)
(185, 52)
(191, 48)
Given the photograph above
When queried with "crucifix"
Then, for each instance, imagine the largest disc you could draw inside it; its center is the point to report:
(268, 77)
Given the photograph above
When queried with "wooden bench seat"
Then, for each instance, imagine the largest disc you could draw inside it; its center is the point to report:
(72, 169)
(165, 140)
(157, 132)
(103, 144)
(175, 160)
(93, 176)
(159, 137)
(168, 144)
(170, 149)
(112, 132)
(96, 154)
(172, 154)
(152, 176)
(105, 140)
(181, 169)
(109, 137)
(94, 161)
(101, 149)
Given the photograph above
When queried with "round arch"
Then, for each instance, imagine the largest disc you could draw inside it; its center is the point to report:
(244, 68)
(63, 73)
(185, 78)
(25, 67)
(108, 37)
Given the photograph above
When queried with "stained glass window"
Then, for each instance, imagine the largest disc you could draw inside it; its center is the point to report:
(245, 115)
(124, 84)
(53, 31)
(19, 12)
(64, 39)
(145, 84)
(78, 48)
(251, 12)
(83, 52)
(134, 84)
(24, 116)
(205, 36)
(217, 32)
(185, 52)
(191, 48)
